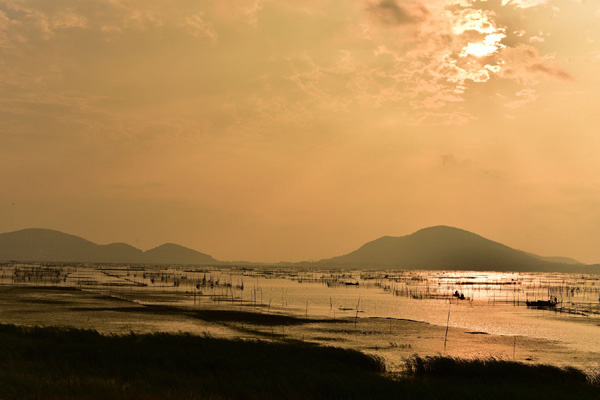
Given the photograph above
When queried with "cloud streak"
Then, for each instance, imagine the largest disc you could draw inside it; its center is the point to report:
(434, 53)
(397, 12)
(425, 56)
(524, 3)
(524, 64)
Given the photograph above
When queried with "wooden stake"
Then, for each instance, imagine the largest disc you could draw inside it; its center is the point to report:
(447, 323)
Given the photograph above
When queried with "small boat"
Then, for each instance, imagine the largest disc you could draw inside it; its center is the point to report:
(542, 303)
(351, 283)
(460, 296)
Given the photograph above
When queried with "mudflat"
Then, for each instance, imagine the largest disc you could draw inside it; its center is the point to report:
(394, 340)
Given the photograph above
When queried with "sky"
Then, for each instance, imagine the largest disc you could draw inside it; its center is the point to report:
(270, 130)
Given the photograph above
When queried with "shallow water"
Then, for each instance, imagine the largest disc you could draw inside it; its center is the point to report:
(494, 302)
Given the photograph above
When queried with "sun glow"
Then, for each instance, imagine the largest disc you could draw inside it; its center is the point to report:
(479, 49)
(487, 47)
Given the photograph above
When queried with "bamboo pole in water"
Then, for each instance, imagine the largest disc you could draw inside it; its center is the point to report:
(447, 323)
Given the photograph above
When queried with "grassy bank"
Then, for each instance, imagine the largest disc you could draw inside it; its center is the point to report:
(58, 363)
(454, 378)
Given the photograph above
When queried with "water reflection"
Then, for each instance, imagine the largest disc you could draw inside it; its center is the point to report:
(479, 301)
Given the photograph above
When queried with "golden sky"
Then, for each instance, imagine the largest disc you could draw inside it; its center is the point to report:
(298, 130)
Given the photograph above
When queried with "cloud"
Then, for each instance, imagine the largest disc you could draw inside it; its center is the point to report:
(471, 19)
(536, 39)
(199, 27)
(449, 159)
(423, 57)
(525, 64)
(523, 97)
(524, 3)
(395, 12)
(238, 10)
(433, 118)
(457, 47)
(550, 69)
(444, 49)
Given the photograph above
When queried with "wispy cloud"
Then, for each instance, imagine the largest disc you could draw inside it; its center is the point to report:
(524, 3)
(424, 56)
(525, 64)
(523, 97)
(398, 12)
(199, 27)
(428, 56)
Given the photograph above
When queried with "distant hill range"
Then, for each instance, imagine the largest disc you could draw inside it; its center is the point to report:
(53, 246)
(438, 247)
(444, 247)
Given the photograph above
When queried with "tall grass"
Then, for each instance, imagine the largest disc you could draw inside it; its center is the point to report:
(70, 363)
(492, 369)
(62, 363)
(491, 378)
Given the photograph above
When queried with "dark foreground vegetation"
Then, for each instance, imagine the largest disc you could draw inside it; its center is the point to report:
(61, 363)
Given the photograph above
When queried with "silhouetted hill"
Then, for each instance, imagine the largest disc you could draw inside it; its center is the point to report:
(44, 245)
(55, 246)
(444, 247)
(439, 247)
(119, 252)
(170, 253)
(563, 260)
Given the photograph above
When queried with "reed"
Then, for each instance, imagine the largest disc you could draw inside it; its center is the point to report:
(61, 363)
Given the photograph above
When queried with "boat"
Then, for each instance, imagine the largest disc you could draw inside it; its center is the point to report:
(459, 296)
(542, 303)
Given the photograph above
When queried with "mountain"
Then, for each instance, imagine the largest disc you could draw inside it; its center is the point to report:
(44, 245)
(438, 247)
(444, 247)
(119, 252)
(170, 253)
(563, 260)
(54, 246)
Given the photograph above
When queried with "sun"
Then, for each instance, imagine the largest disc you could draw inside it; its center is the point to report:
(487, 47)
(479, 49)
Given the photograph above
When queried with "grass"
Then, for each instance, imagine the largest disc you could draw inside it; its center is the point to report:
(57, 363)
(500, 379)
(492, 369)
(63, 363)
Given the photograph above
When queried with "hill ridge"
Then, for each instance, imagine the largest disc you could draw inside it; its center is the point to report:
(42, 244)
(444, 247)
(436, 247)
